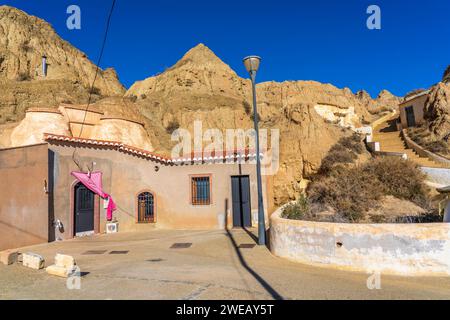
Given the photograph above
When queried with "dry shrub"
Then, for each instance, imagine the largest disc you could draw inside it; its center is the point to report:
(24, 76)
(422, 136)
(399, 178)
(446, 75)
(172, 126)
(353, 191)
(346, 151)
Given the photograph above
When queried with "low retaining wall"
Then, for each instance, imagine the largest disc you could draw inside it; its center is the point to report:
(400, 249)
(423, 152)
(438, 176)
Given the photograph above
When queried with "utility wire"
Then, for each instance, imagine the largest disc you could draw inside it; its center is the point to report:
(108, 23)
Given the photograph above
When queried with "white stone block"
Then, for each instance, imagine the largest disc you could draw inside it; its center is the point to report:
(58, 271)
(33, 261)
(64, 261)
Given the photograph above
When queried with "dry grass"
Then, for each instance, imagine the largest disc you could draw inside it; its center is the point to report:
(350, 191)
(345, 152)
(423, 137)
(172, 126)
(353, 191)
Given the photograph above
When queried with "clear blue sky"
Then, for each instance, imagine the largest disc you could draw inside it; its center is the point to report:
(327, 41)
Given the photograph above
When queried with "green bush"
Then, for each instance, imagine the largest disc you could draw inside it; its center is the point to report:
(298, 210)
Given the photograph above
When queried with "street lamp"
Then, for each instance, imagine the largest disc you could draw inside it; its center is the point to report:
(252, 65)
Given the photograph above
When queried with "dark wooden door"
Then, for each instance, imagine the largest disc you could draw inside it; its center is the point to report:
(84, 209)
(410, 118)
(240, 186)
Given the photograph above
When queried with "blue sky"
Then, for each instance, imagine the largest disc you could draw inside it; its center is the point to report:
(327, 41)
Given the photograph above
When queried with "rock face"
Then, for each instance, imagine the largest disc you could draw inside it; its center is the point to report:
(311, 116)
(24, 39)
(446, 76)
(437, 110)
(31, 130)
(108, 120)
(385, 101)
(123, 130)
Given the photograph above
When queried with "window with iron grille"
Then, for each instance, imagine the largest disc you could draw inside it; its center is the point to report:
(146, 208)
(201, 191)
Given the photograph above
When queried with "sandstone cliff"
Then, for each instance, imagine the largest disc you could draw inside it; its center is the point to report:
(311, 116)
(437, 111)
(24, 39)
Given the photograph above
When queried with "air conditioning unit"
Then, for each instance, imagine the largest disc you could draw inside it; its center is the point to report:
(112, 227)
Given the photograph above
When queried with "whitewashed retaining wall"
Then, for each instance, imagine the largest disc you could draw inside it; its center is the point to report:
(400, 249)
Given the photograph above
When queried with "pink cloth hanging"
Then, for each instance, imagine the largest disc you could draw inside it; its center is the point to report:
(93, 181)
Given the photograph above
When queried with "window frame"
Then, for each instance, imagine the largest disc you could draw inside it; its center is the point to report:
(191, 190)
(137, 206)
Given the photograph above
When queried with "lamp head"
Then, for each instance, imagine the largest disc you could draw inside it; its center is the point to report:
(252, 63)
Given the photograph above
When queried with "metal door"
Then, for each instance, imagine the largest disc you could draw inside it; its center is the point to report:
(84, 209)
(240, 186)
(410, 118)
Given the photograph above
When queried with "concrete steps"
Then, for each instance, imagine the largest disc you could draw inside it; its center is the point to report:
(391, 141)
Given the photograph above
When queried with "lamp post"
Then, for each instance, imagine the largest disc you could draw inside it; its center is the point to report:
(252, 65)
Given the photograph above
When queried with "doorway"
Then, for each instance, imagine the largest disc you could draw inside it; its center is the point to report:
(240, 189)
(84, 211)
(410, 118)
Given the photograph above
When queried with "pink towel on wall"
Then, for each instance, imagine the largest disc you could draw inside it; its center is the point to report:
(93, 182)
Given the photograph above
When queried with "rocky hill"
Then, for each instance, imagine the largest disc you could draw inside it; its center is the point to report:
(446, 76)
(311, 116)
(24, 39)
(437, 111)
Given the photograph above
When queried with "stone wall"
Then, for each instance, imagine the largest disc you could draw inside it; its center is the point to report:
(400, 249)
(423, 152)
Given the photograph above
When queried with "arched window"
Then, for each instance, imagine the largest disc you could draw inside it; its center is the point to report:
(146, 208)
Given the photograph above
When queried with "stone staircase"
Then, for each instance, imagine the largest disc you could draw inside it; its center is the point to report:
(391, 141)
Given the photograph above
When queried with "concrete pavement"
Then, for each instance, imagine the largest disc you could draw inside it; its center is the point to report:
(214, 267)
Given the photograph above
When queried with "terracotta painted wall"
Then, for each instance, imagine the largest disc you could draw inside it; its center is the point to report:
(126, 175)
(24, 206)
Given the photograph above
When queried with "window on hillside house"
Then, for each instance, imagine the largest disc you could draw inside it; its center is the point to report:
(146, 208)
(201, 191)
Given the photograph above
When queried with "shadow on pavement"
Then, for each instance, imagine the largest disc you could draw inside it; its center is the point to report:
(275, 295)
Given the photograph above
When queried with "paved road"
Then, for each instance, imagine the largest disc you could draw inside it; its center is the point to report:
(212, 268)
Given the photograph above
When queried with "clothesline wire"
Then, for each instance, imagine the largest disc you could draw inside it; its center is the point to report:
(108, 24)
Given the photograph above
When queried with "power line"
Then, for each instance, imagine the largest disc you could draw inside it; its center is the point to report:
(108, 23)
